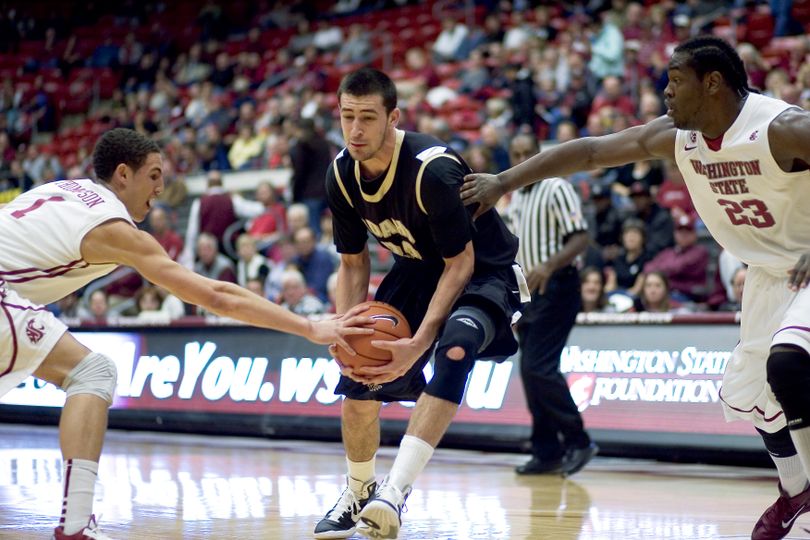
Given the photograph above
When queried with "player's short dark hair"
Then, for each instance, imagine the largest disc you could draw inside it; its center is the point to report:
(368, 82)
(709, 53)
(118, 146)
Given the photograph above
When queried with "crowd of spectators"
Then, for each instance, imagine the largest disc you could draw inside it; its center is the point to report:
(227, 86)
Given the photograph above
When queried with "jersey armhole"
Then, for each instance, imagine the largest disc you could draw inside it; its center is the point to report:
(340, 183)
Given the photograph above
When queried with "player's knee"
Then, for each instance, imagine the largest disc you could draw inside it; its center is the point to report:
(778, 444)
(456, 353)
(449, 378)
(463, 336)
(96, 374)
(788, 373)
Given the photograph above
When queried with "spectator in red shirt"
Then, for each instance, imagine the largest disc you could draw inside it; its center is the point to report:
(271, 223)
(685, 264)
(612, 95)
(160, 228)
(673, 194)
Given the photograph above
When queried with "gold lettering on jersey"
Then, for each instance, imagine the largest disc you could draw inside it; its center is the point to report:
(734, 186)
(726, 169)
(387, 229)
(405, 250)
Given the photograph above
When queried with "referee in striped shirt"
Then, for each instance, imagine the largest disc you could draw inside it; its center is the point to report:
(547, 217)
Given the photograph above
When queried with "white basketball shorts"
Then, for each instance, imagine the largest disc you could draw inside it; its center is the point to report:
(772, 314)
(28, 332)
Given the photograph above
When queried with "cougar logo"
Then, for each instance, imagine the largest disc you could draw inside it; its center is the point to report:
(581, 387)
(34, 330)
(394, 321)
(754, 135)
(374, 387)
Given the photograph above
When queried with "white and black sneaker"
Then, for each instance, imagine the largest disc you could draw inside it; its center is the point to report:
(382, 515)
(341, 520)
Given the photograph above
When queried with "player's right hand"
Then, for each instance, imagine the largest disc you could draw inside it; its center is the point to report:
(335, 328)
(482, 189)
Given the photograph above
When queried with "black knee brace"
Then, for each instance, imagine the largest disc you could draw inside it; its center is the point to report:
(778, 444)
(788, 371)
(466, 329)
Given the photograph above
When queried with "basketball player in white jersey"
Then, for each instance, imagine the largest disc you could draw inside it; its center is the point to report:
(746, 162)
(60, 236)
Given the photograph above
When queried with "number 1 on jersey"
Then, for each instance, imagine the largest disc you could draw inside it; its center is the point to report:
(37, 203)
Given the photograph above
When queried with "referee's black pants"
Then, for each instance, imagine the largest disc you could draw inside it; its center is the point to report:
(542, 332)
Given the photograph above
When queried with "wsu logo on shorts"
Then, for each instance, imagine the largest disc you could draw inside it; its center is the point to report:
(35, 330)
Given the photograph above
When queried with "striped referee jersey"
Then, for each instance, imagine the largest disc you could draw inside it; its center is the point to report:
(542, 215)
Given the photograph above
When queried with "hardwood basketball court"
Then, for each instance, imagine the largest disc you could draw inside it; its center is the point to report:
(157, 486)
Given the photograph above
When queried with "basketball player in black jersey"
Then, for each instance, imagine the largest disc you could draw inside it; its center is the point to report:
(454, 280)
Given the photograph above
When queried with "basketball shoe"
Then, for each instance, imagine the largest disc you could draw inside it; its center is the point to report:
(341, 520)
(779, 518)
(91, 532)
(381, 518)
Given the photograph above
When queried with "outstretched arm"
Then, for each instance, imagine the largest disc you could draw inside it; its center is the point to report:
(650, 141)
(120, 243)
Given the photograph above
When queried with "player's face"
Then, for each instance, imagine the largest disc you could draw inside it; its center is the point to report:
(365, 125)
(684, 95)
(147, 184)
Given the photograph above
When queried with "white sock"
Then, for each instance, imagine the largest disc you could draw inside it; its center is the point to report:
(360, 472)
(413, 455)
(79, 481)
(801, 440)
(791, 474)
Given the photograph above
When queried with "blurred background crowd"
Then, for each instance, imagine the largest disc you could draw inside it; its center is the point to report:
(228, 87)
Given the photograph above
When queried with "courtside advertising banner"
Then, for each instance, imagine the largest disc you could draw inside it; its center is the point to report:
(660, 378)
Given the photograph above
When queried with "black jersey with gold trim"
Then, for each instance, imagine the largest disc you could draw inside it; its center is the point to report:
(414, 208)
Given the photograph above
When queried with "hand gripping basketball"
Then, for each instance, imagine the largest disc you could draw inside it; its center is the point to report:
(389, 325)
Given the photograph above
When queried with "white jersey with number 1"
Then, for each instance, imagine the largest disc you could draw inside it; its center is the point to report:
(761, 214)
(42, 232)
(751, 206)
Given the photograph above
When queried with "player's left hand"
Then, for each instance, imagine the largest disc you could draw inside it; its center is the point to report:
(538, 278)
(800, 274)
(405, 352)
(484, 189)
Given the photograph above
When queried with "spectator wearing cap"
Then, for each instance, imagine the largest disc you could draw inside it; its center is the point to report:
(657, 221)
(605, 221)
(624, 272)
(685, 264)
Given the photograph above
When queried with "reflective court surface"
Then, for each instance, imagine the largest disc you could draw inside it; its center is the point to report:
(166, 486)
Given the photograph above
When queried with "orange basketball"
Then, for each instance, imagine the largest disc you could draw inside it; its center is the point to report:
(389, 325)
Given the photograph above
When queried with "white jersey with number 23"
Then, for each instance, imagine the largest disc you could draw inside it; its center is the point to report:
(753, 208)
